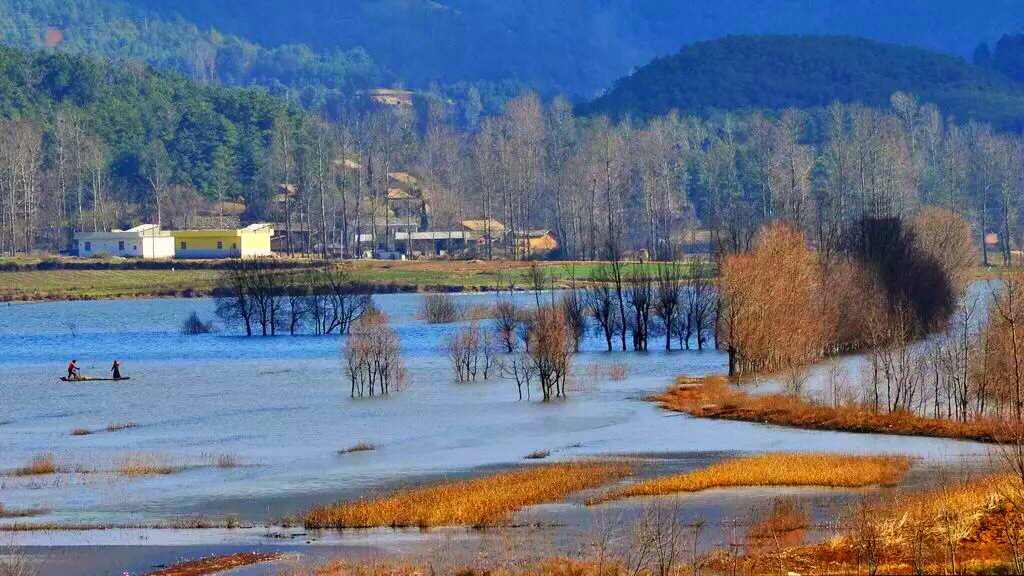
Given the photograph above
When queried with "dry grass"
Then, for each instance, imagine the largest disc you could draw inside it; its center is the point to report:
(781, 523)
(227, 461)
(216, 564)
(114, 427)
(617, 372)
(907, 534)
(477, 502)
(713, 397)
(358, 447)
(831, 470)
(19, 512)
(41, 465)
(137, 465)
(81, 432)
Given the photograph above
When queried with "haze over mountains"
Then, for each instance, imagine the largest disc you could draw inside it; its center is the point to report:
(572, 47)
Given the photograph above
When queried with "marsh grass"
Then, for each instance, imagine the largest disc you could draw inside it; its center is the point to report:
(477, 502)
(358, 447)
(538, 455)
(41, 465)
(8, 513)
(137, 465)
(617, 372)
(829, 470)
(713, 397)
(217, 564)
(226, 461)
(923, 532)
(115, 427)
(81, 432)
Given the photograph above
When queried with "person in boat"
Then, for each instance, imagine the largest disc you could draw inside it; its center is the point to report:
(73, 372)
(116, 370)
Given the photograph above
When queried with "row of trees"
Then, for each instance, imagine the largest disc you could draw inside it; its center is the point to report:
(607, 190)
(627, 305)
(259, 296)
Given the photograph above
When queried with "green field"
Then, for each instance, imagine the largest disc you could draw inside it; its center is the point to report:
(70, 284)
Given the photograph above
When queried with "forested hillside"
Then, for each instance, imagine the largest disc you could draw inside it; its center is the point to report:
(317, 78)
(578, 47)
(477, 54)
(87, 144)
(777, 72)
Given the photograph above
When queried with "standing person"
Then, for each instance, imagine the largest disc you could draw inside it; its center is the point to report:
(116, 370)
(73, 372)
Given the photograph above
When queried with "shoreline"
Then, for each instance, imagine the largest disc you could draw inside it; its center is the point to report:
(714, 398)
(72, 280)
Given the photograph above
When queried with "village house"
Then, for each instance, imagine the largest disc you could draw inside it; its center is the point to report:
(145, 241)
(535, 243)
(249, 242)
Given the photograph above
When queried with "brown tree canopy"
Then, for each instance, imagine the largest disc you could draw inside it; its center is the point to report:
(946, 237)
(771, 316)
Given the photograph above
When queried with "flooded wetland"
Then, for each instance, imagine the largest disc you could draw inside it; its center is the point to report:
(219, 442)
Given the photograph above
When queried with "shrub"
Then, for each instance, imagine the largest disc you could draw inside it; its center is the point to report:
(194, 325)
(372, 356)
(39, 466)
(440, 309)
(358, 447)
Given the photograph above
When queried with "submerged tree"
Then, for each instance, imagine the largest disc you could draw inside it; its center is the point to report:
(372, 356)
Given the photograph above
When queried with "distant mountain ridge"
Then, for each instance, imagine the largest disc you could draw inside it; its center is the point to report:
(777, 72)
(578, 47)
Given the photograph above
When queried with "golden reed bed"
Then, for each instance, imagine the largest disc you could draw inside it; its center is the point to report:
(831, 470)
(475, 502)
(713, 397)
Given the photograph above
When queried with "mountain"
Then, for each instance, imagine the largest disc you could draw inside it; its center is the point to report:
(775, 72)
(576, 47)
(116, 29)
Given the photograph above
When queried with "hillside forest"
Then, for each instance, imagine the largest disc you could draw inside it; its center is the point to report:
(80, 154)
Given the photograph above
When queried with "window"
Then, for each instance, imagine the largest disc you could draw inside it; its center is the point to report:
(120, 245)
(88, 246)
(184, 245)
(220, 245)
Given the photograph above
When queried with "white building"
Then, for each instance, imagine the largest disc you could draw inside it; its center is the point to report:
(145, 241)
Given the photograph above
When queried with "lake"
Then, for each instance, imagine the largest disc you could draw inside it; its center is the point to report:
(280, 406)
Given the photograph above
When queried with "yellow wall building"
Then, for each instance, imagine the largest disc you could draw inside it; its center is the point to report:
(249, 242)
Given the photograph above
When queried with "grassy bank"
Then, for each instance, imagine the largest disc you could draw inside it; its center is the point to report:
(713, 397)
(829, 470)
(216, 564)
(477, 502)
(951, 528)
(74, 279)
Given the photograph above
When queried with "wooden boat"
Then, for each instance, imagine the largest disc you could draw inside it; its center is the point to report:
(88, 379)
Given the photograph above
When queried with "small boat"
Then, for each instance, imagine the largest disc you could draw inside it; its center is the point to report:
(88, 379)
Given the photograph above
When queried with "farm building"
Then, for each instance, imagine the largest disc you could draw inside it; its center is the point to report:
(145, 241)
(249, 242)
(536, 242)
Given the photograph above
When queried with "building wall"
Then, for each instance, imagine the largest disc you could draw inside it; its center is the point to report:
(228, 245)
(127, 245)
(256, 244)
(204, 246)
(543, 244)
(89, 246)
(158, 247)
